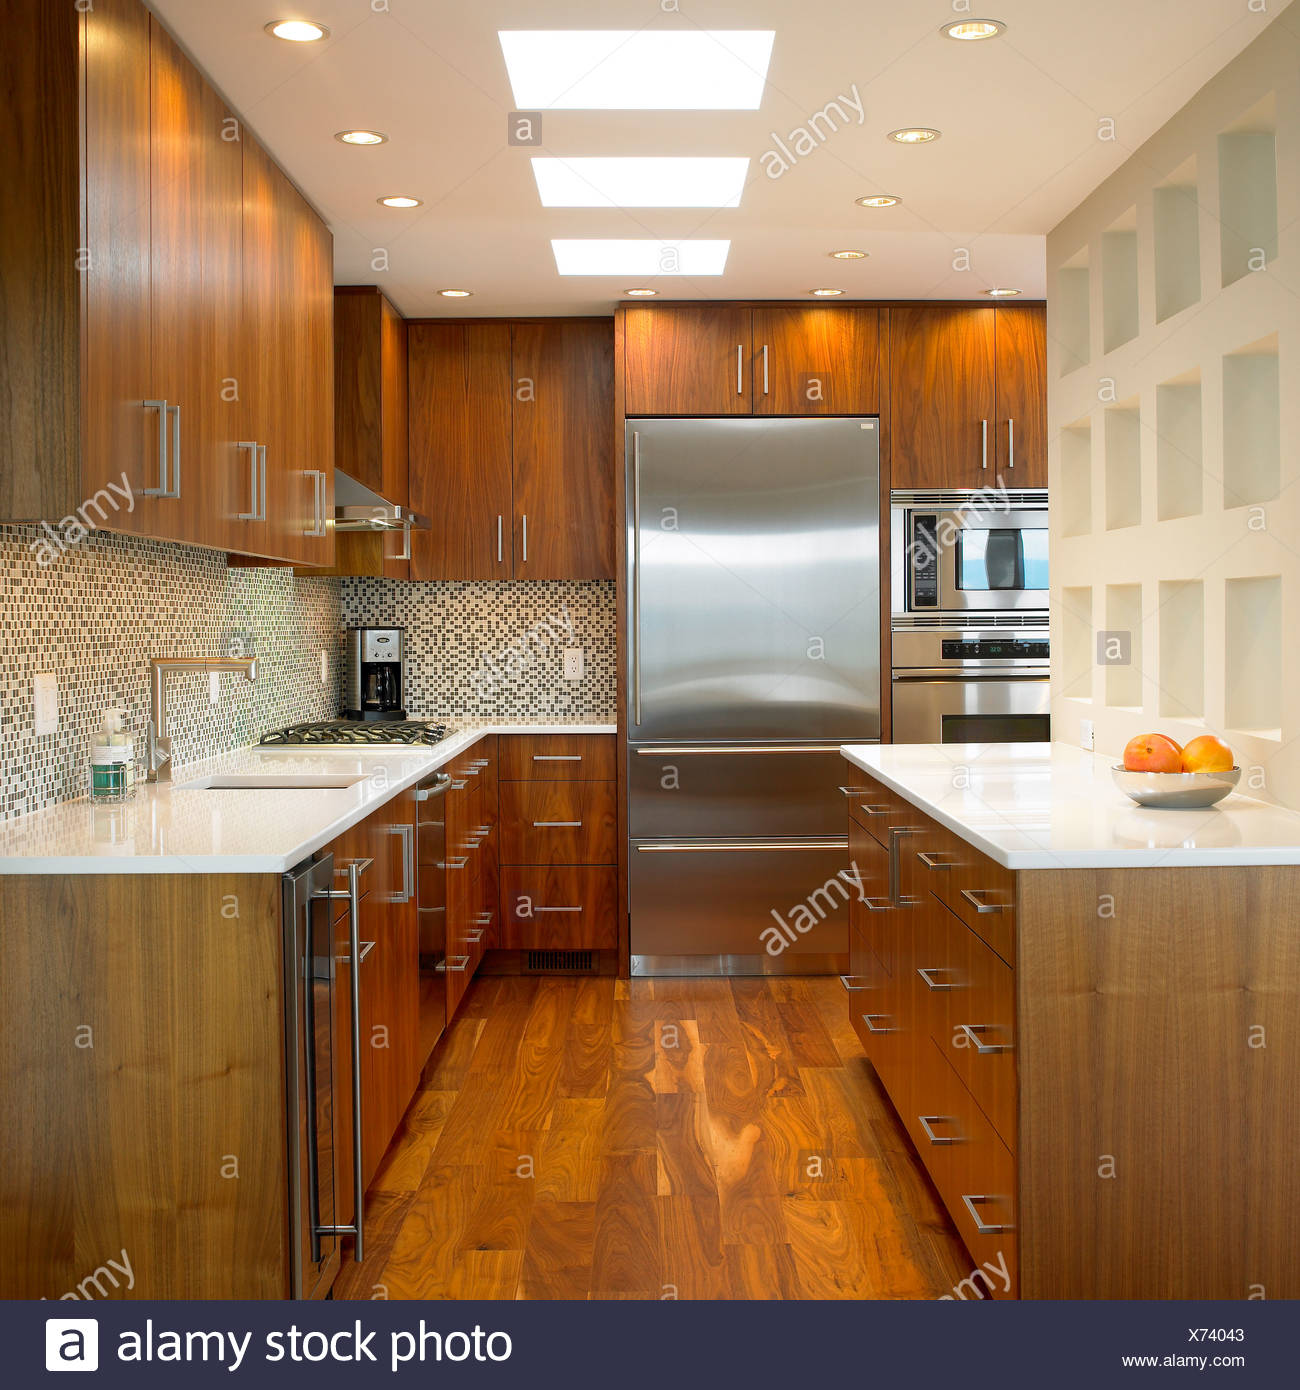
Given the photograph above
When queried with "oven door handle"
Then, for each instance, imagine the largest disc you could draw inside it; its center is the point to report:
(963, 677)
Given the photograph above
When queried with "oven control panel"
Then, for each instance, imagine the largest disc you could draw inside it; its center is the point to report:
(996, 649)
(924, 552)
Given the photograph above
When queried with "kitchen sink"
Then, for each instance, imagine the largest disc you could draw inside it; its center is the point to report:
(273, 781)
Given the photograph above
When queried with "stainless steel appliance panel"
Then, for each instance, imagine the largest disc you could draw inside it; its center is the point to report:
(1002, 707)
(719, 908)
(719, 790)
(753, 579)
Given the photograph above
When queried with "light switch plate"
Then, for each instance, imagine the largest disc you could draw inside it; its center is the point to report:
(214, 687)
(324, 667)
(573, 663)
(1087, 734)
(45, 697)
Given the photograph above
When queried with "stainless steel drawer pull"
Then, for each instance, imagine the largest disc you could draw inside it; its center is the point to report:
(975, 896)
(971, 1032)
(525, 538)
(931, 862)
(927, 1121)
(366, 948)
(161, 490)
(480, 762)
(926, 972)
(740, 368)
(878, 904)
(983, 1227)
(557, 909)
(557, 757)
(854, 791)
(458, 862)
(852, 988)
(461, 785)
(254, 456)
(871, 1027)
(473, 935)
(454, 964)
(984, 443)
(873, 810)
(765, 369)
(1011, 443)
(441, 782)
(557, 825)
(742, 749)
(405, 833)
(500, 546)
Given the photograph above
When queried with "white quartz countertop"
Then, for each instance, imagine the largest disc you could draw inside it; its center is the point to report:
(1053, 806)
(168, 830)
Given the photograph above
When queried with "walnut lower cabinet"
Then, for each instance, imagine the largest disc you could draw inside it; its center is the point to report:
(1096, 1066)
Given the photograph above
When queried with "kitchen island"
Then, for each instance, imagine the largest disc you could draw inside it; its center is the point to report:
(1087, 1015)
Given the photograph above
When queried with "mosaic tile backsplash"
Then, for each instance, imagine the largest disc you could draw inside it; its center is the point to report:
(496, 648)
(95, 616)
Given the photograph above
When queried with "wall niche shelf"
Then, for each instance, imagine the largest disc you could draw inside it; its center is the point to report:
(1177, 215)
(1253, 654)
(1119, 282)
(1071, 315)
(1179, 447)
(1248, 192)
(1076, 478)
(1252, 416)
(1124, 616)
(1182, 648)
(1078, 656)
(1123, 465)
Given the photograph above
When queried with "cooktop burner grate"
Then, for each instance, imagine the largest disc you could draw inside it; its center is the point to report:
(348, 733)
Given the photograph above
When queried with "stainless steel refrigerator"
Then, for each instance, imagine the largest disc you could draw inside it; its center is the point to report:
(753, 651)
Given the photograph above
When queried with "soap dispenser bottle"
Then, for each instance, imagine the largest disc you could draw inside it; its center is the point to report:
(112, 759)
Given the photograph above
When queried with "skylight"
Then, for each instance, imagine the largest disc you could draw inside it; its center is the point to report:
(640, 259)
(641, 182)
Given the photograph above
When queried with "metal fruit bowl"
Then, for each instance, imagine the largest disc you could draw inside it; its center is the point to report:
(1175, 791)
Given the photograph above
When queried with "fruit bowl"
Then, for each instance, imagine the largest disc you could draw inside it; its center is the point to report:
(1175, 791)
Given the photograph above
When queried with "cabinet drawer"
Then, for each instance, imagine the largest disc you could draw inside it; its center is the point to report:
(980, 892)
(557, 758)
(563, 907)
(558, 823)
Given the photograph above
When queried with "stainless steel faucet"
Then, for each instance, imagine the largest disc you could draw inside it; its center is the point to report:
(158, 744)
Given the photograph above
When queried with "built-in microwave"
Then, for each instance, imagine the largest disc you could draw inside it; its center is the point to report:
(956, 551)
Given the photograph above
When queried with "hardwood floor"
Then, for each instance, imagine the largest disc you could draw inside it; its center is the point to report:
(600, 1138)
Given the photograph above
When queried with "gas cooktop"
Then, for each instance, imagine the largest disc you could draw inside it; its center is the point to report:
(347, 733)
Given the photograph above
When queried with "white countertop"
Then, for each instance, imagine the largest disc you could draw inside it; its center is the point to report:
(167, 830)
(1053, 806)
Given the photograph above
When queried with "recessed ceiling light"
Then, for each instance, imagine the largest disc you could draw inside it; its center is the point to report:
(361, 137)
(878, 200)
(914, 135)
(637, 69)
(400, 200)
(297, 30)
(640, 294)
(849, 255)
(456, 294)
(641, 182)
(973, 29)
(825, 293)
(1001, 292)
(619, 257)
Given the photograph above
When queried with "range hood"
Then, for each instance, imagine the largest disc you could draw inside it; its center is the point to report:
(357, 508)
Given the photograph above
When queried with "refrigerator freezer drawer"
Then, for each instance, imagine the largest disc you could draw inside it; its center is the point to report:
(682, 791)
(739, 908)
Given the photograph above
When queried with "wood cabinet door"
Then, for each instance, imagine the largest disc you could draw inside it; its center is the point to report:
(1020, 336)
(563, 412)
(942, 405)
(460, 450)
(558, 823)
(687, 359)
(120, 435)
(816, 360)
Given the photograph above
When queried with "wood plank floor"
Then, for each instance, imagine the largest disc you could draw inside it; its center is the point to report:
(601, 1138)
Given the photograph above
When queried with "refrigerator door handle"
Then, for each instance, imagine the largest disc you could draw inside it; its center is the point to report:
(710, 749)
(636, 577)
(738, 846)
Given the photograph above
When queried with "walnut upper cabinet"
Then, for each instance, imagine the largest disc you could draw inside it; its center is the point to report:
(125, 360)
(511, 449)
(722, 359)
(968, 396)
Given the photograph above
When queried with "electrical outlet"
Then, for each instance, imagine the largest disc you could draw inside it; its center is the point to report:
(324, 667)
(214, 687)
(1087, 734)
(45, 697)
(573, 663)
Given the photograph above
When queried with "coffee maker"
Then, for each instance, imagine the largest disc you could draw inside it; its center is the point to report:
(374, 673)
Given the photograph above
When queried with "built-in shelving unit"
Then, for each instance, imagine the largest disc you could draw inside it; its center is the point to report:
(1252, 442)
(1176, 214)
(1076, 663)
(1075, 495)
(1123, 466)
(1124, 624)
(1119, 282)
(1252, 656)
(1070, 317)
(1179, 448)
(1248, 192)
(1181, 621)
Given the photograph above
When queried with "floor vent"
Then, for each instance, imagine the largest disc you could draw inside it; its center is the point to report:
(570, 962)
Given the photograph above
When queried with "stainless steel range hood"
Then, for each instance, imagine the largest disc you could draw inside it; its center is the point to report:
(357, 508)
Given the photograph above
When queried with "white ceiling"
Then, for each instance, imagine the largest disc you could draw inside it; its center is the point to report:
(1020, 117)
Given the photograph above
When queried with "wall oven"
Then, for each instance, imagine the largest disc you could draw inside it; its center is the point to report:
(963, 551)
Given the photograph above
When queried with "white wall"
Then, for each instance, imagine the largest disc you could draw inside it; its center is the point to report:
(1175, 447)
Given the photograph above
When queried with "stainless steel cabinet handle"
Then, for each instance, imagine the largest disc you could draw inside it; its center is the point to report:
(557, 757)
(450, 964)
(971, 1032)
(557, 909)
(557, 825)
(174, 458)
(1011, 443)
(473, 935)
(931, 862)
(896, 833)
(261, 468)
(974, 896)
(925, 972)
(765, 369)
(480, 762)
(877, 904)
(366, 948)
(984, 443)
(731, 847)
(873, 810)
(251, 446)
(406, 542)
(852, 988)
(982, 1227)
(501, 554)
(871, 1027)
(461, 785)
(636, 577)
(161, 490)
(926, 1121)
(525, 537)
(318, 501)
(458, 861)
(740, 369)
(441, 783)
(407, 835)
